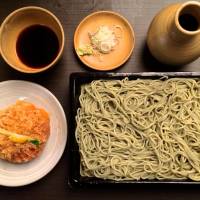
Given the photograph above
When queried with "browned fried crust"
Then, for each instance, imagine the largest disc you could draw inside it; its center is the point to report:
(25, 119)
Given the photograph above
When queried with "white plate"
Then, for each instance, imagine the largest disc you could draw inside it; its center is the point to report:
(23, 174)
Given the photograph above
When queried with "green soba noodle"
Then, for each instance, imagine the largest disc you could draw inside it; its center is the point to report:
(140, 129)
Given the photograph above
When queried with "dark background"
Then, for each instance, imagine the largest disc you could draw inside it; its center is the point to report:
(71, 12)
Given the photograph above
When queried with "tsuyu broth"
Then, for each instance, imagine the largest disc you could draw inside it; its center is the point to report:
(37, 46)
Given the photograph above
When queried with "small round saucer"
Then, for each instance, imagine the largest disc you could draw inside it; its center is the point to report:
(119, 55)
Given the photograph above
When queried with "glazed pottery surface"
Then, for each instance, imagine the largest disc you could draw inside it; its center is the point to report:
(171, 42)
(15, 23)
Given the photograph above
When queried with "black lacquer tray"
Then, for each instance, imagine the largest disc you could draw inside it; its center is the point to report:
(78, 79)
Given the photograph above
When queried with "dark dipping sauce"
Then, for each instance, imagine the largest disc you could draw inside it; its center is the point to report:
(37, 46)
(188, 22)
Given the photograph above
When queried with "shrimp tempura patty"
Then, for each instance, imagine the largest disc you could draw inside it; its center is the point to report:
(23, 119)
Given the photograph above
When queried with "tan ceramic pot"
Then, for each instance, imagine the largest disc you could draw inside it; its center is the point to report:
(174, 34)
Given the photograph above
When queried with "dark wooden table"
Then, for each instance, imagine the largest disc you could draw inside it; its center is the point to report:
(70, 12)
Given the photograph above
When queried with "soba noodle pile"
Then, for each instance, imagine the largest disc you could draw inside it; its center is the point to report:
(140, 129)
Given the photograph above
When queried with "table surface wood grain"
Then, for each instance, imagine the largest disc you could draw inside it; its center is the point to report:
(71, 12)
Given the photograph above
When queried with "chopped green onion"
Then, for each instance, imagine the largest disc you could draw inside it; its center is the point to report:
(35, 142)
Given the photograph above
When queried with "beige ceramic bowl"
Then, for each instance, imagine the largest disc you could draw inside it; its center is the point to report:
(18, 21)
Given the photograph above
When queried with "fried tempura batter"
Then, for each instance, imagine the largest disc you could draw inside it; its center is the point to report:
(23, 118)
